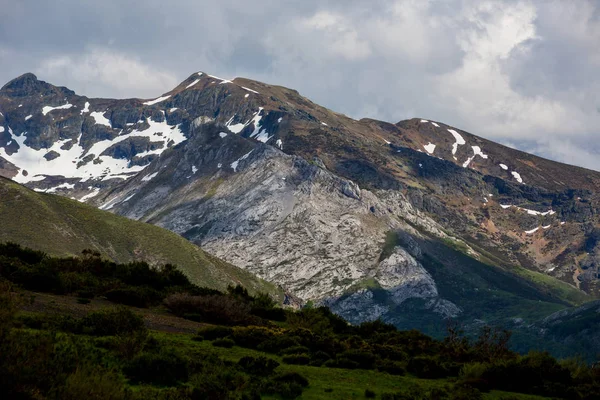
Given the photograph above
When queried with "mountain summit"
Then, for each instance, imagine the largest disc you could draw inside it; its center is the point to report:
(413, 222)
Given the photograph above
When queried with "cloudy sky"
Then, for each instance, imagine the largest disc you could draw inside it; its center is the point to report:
(525, 73)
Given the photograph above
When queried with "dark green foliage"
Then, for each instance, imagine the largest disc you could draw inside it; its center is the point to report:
(216, 309)
(299, 359)
(294, 350)
(369, 394)
(89, 276)
(215, 332)
(135, 296)
(427, 367)
(112, 322)
(261, 366)
(225, 342)
(288, 386)
(53, 356)
(252, 336)
(165, 367)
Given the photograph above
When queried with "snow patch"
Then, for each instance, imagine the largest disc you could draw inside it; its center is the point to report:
(94, 193)
(503, 166)
(534, 230)
(86, 108)
(476, 152)
(430, 148)
(259, 134)
(235, 128)
(223, 134)
(505, 206)
(157, 100)
(323, 123)
(173, 109)
(234, 164)
(149, 177)
(434, 124)
(100, 167)
(201, 120)
(192, 84)
(517, 176)
(100, 118)
(61, 186)
(27, 117)
(424, 120)
(194, 169)
(279, 144)
(250, 90)
(545, 226)
(47, 109)
(459, 140)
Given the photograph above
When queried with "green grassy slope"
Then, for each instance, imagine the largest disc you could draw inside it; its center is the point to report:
(64, 227)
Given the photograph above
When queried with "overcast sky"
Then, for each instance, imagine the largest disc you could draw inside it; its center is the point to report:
(525, 73)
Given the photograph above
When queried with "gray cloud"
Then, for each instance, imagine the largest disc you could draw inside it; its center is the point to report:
(517, 71)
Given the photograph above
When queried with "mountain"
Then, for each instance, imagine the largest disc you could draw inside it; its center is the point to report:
(64, 227)
(414, 222)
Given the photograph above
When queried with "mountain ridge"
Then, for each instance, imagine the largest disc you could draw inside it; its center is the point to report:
(309, 198)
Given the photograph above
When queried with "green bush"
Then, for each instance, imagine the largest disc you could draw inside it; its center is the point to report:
(391, 367)
(92, 383)
(252, 336)
(426, 367)
(294, 350)
(165, 367)
(299, 359)
(287, 386)
(135, 296)
(261, 366)
(276, 344)
(216, 332)
(225, 342)
(115, 321)
(369, 394)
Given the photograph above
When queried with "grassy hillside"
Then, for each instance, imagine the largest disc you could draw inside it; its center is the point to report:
(64, 227)
(191, 343)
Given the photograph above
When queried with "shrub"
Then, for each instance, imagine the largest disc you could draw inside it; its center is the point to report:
(216, 332)
(217, 309)
(391, 367)
(369, 394)
(294, 350)
(165, 367)
(115, 321)
(92, 383)
(319, 358)
(135, 296)
(261, 366)
(252, 336)
(299, 359)
(426, 367)
(287, 386)
(130, 344)
(278, 343)
(225, 342)
(363, 359)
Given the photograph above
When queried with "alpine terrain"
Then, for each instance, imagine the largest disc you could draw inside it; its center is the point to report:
(415, 223)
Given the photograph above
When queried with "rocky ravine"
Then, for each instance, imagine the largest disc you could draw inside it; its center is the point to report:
(373, 219)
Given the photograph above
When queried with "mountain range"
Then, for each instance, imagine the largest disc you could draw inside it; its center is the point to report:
(416, 223)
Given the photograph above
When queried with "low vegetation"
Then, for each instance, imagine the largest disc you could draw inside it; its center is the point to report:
(247, 348)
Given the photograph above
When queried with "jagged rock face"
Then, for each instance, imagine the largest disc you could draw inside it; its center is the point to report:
(308, 198)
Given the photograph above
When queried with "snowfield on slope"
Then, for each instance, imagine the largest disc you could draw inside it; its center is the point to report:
(34, 167)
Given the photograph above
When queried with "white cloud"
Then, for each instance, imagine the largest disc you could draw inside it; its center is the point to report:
(101, 72)
(512, 70)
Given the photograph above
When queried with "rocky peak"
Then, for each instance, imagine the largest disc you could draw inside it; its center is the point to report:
(28, 84)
